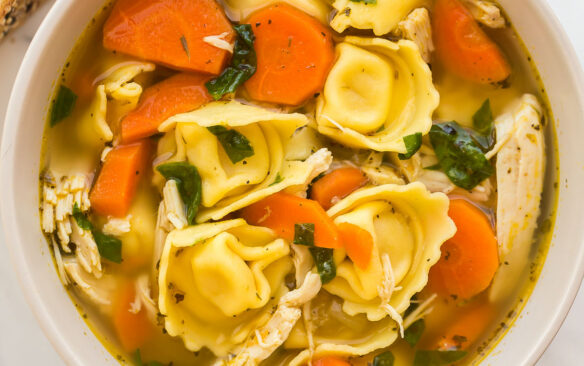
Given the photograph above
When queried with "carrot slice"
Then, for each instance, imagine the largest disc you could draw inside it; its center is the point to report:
(117, 181)
(133, 330)
(358, 243)
(170, 32)
(178, 94)
(463, 47)
(330, 361)
(336, 185)
(294, 55)
(281, 211)
(469, 259)
(467, 328)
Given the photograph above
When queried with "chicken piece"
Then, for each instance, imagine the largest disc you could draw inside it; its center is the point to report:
(319, 162)
(417, 28)
(220, 42)
(520, 176)
(175, 208)
(86, 252)
(271, 336)
(117, 226)
(486, 12)
(99, 291)
(143, 299)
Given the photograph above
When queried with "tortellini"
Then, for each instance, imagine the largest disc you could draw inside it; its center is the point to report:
(220, 281)
(408, 225)
(228, 187)
(382, 17)
(377, 93)
(237, 10)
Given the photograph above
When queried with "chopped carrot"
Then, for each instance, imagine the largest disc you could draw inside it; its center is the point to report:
(178, 94)
(281, 211)
(117, 181)
(463, 47)
(294, 55)
(358, 243)
(330, 361)
(336, 185)
(170, 32)
(468, 326)
(133, 330)
(469, 259)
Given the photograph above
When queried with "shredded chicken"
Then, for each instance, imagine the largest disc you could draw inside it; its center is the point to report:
(220, 42)
(417, 28)
(386, 290)
(106, 150)
(59, 261)
(486, 12)
(87, 253)
(99, 291)
(319, 162)
(520, 175)
(143, 299)
(175, 208)
(420, 312)
(117, 226)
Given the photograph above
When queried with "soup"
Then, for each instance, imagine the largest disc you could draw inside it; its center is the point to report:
(289, 183)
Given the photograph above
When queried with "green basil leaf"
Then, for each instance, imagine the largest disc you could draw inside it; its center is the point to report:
(188, 182)
(277, 180)
(384, 359)
(323, 258)
(81, 219)
(236, 145)
(138, 360)
(413, 144)
(243, 64)
(437, 358)
(459, 156)
(414, 332)
(185, 46)
(304, 234)
(366, 2)
(109, 247)
(63, 105)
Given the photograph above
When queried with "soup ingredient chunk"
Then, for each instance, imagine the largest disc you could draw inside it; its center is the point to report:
(337, 185)
(170, 32)
(358, 243)
(180, 93)
(463, 47)
(330, 361)
(294, 54)
(469, 260)
(118, 179)
(132, 329)
(472, 322)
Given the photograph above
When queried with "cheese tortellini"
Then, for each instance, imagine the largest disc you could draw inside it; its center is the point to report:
(220, 281)
(377, 93)
(408, 225)
(229, 186)
(382, 17)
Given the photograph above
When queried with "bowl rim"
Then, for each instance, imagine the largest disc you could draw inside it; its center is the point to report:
(46, 319)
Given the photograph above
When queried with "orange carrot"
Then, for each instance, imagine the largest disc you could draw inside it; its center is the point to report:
(281, 211)
(133, 330)
(330, 361)
(178, 94)
(358, 243)
(467, 328)
(470, 258)
(117, 181)
(294, 55)
(463, 47)
(336, 185)
(170, 32)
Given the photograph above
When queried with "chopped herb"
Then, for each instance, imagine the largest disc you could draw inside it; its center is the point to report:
(384, 359)
(188, 182)
(459, 156)
(381, 128)
(63, 105)
(304, 234)
(437, 358)
(414, 332)
(138, 360)
(325, 264)
(483, 123)
(81, 219)
(236, 145)
(277, 180)
(185, 46)
(413, 144)
(109, 247)
(243, 64)
(459, 340)
(366, 2)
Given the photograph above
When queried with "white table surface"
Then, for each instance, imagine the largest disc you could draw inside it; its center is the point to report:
(23, 343)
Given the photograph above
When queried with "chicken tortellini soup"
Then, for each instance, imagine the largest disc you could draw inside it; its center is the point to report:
(299, 182)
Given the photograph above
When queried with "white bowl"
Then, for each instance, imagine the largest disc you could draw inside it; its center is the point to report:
(62, 323)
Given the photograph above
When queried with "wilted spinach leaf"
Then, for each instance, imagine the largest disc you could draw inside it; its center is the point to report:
(63, 105)
(483, 124)
(82, 220)
(414, 332)
(459, 156)
(437, 358)
(236, 145)
(108, 246)
(323, 258)
(366, 2)
(188, 182)
(413, 144)
(243, 64)
(384, 359)
(304, 234)
(139, 362)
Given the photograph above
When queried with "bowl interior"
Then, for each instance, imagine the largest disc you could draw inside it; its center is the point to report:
(19, 191)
